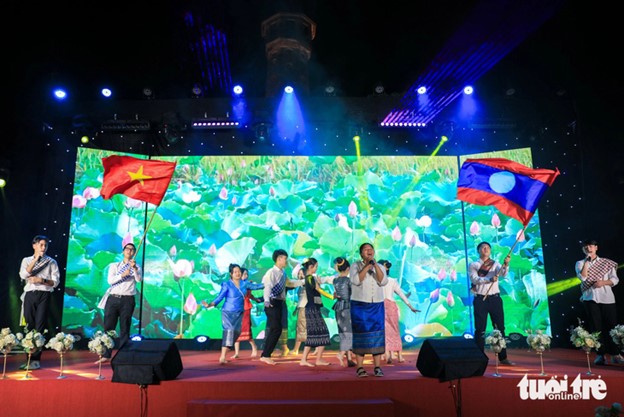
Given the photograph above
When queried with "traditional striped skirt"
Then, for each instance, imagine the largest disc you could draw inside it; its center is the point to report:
(367, 321)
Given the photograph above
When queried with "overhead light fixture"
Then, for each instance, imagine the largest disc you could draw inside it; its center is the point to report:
(379, 89)
(135, 125)
(196, 91)
(4, 177)
(214, 123)
(237, 90)
(422, 89)
(106, 92)
(468, 89)
(330, 90)
(148, 93)
(288, 89)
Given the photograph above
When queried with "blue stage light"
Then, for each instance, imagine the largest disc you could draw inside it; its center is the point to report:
(202, 339)
(136, 337)
(422, 90)
(468, 89)
(238, 90)
(288, 89)
(60, 94)
(106, 92)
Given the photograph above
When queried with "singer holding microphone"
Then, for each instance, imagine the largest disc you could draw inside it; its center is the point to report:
(41, 275)
(367, 309)
(598, 276)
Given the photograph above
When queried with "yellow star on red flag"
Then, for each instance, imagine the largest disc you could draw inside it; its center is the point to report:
(138, 176)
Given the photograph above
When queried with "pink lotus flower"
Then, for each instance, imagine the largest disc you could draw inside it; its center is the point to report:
(90, 193)
(442, 274)
(243, 164)
(353, 211)
(190, 306)
(412, 241)
(475, 229)
(229, 172)
(256, 181)
(396, 234)
(127, 239)
(181, 268)
(453, 275)
(450, 300)
(79, 201)
(496, 221)
(520, 236)
(173, 251)
(234, 200)
(270, 172)
(133, 203)
(223, 194)
(212, 250)
(272, 191)
(435, 295)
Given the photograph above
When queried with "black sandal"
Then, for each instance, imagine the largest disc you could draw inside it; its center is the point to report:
(361, 373)
(378, 371)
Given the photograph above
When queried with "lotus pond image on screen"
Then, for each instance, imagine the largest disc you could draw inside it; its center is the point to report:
(220, 210)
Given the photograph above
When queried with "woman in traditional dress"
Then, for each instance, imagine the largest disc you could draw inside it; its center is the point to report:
(246, 333)
(342, 309)
(233, 291)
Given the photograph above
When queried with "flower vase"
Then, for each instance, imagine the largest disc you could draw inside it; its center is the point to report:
(541, 363)
(61, 376)
(4, 366)
(589, 371)
(27, 376)
(496, 374)
(99, 368)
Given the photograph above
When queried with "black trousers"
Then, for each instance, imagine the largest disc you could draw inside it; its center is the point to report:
(118, 308)
(492, 305)
(36, 304)
(273, 326)
(602, 318)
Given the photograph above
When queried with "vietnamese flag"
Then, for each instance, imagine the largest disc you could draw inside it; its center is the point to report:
(142, 179)
(513, 188)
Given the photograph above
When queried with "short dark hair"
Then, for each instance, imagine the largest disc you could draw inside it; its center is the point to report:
(588, 242)
(38, 238)
(364, 244)
(481, 244)
(279, 252)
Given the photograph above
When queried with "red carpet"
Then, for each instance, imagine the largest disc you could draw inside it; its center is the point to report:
(251, 388)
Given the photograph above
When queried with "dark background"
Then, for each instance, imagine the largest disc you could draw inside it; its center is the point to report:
(567, 106)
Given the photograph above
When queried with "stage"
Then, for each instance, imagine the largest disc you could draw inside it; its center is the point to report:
(248, 387)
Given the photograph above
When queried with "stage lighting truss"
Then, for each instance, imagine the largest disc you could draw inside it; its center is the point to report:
(135, 125)
(214, 123)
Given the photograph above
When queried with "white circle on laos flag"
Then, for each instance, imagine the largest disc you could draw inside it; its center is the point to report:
(502, 182)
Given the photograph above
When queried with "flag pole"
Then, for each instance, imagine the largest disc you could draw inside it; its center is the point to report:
(135, 254)
(145, 231)
(508, 254)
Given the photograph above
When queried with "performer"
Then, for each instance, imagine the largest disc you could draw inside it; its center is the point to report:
(119, 301)
(342, 309)
(317, 334)
(393, 335)
(275, 283)
(233, 291)
(246, 333)
(41, 276)
(484, 275)
(367, 309)
(598, 276)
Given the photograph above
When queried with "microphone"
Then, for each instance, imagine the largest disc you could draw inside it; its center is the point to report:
(371, 262)
(588, 259)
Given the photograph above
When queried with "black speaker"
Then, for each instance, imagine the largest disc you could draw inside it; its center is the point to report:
(146, 362)
(451, 358)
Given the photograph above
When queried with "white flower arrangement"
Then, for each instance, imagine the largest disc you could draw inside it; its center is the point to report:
(7, 341)
(617, 334)
(538, 341)
(31, 341)
(583, 339)
(496, 340)
(61, 342)
(101, 341)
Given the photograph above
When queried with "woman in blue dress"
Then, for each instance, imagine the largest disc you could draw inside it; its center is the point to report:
(233, 291)
(342, 309)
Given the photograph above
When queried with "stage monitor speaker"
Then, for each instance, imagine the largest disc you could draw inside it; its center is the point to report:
(146, 362)
(451, 358)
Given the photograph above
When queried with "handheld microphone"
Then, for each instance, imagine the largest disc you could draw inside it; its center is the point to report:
(371, 262)
(588, 259)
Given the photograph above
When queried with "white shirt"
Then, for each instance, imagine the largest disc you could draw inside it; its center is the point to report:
(49, 272)
(602, 295)
(392, 288)
(127, 287)
(369, 290)
(482, 284)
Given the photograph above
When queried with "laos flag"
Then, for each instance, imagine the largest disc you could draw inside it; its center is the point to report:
(513, 188)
